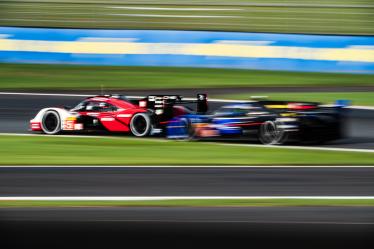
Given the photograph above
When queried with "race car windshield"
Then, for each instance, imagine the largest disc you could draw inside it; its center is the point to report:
(121, 97)
(234, 110)
(80, 106)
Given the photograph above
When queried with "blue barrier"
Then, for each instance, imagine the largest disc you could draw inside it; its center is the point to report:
(317, 53)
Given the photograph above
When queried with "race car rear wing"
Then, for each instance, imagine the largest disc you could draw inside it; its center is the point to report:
(162, 104)
(289, 105)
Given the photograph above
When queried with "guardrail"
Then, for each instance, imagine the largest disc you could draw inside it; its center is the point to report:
(318, 53)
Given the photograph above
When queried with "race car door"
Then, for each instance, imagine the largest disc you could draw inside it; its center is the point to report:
(104, 114)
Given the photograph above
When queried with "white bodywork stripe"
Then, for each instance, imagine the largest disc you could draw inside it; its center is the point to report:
(124, 115)
(107, 119)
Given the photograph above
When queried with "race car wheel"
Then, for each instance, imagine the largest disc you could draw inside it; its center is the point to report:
(189, 130)
(269, 133)
(141, 124)
(51, 122)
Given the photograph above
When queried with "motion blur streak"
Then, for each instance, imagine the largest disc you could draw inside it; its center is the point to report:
(298, 52)
(184, 181)
(19, 107)
(318, 17)
(153, 198)
(228, 50)
(263, 51)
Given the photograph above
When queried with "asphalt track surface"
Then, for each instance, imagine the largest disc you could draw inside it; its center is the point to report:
(17, 110)
(166, 227)
(186, 227)
(265, 215)
(184, 181)
(103, 232)
(298, 227)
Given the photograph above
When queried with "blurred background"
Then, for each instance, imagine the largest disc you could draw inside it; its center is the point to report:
(56, 52)
(297, 36)
(353, 17)
(295, 50)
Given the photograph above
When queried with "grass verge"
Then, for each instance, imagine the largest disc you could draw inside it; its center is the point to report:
(70, 77)
(290, 16)
(356, 98)
(190, 203)
(43, 150)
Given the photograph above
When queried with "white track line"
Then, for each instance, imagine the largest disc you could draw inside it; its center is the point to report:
(59, 94)
(138, 97)
(237, 221)
(45, 94)
(294, 24)
(259, 4)
(91, 95)
(83, 136)
(360, 107)
(183, 9)
(173, 16)
(215, 143)
(174, 9)
(162, 198)
(299, 147)
(306, 12)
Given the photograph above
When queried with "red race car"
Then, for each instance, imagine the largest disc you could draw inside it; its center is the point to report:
(116, 113)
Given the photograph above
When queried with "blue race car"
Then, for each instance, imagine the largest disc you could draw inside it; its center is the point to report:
(270, 122)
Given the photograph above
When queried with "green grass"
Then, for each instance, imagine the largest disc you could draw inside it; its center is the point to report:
(356, 98)
(206, 2)
(190, 203)
(30, 76)
(325, 17)
(43, 150)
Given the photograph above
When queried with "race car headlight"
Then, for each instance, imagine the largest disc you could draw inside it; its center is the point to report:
(289, 114)
(71, 119)
(287, 119)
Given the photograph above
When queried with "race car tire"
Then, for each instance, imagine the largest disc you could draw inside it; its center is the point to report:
(51, 122)
(189, 129)
(141, 124)
(270, 134)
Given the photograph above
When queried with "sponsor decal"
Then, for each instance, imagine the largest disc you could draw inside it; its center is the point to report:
(69, 123)
(35, 126)
(78, 126)
(208, 133)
